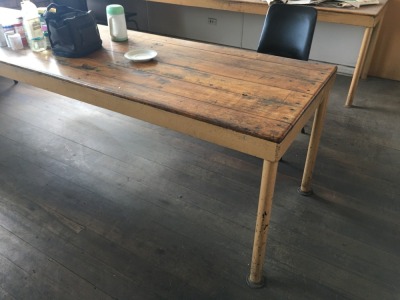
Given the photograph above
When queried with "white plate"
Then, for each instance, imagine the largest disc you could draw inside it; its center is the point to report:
(141, 54)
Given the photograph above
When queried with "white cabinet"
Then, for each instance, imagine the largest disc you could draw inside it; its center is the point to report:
(333, 43)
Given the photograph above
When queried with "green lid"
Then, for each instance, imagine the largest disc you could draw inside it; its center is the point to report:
(115, 9)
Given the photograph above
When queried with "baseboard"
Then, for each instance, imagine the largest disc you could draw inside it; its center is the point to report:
(345, 70)
(342, 70)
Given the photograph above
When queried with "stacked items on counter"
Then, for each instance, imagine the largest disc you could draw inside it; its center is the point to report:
(27, 30)
(12, 33)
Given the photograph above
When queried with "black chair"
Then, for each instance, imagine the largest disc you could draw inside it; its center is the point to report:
(288, 31)
(98, 7)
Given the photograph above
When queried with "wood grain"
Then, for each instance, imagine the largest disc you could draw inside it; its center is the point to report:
(203, 83)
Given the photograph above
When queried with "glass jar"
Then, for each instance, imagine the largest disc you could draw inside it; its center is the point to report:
(38, 44)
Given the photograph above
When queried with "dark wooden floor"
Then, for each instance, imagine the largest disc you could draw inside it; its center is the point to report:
(95, 205)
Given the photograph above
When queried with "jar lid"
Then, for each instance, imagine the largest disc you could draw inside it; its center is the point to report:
(115, 9)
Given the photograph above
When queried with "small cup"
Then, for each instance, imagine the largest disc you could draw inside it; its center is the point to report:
(15, 41)
(7, 35)
(38, 44)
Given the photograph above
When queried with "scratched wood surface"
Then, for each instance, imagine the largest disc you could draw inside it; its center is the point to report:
(251, 93)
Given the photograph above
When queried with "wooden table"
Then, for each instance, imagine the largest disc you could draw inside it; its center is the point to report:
(369, 17)
(250, 102)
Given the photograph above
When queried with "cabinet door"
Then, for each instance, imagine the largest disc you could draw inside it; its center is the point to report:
(385, 62)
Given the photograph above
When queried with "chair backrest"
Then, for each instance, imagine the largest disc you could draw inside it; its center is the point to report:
(288, 31)
(77, 4)
(98, 7)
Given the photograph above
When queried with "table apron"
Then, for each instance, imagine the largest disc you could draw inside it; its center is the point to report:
(212, 133)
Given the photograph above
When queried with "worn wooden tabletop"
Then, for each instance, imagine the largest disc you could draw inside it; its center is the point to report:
(247, 92)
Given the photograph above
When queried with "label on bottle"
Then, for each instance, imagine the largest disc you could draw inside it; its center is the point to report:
(33, 28)
(19, 29)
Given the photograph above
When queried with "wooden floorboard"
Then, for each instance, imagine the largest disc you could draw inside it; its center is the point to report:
(95, 205)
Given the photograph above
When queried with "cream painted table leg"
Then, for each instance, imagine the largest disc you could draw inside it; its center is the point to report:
(316, 132)
(371, 49)
(256, 279)
(359, 66)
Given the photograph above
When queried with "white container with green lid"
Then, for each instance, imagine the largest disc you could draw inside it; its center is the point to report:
(116, 22)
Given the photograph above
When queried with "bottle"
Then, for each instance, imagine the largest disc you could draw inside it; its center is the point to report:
(43, 24)
(19, 28)
(32, 26)
(38, 44)
(15, 41)
(116, 22)
(3, 41)
(8, 29)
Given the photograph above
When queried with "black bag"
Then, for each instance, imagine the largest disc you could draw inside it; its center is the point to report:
(72, 32)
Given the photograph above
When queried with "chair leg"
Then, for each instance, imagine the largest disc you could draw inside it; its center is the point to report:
(129, 17)
(136, 24)
(303, 131)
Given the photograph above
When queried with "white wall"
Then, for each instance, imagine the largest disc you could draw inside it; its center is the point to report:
(333, 43)
(192, 23)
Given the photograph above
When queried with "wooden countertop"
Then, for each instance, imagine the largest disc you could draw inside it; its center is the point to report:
(366, 16)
